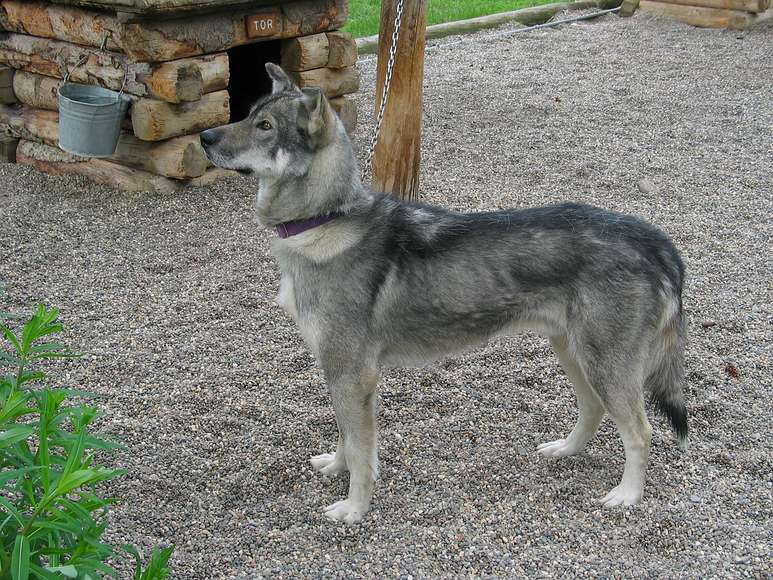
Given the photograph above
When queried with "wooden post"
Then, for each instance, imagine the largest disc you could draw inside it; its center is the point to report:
(398, 149)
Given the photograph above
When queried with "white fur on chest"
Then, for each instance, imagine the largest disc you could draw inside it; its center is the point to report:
(308, 324)
(321, 243)
(285, 298)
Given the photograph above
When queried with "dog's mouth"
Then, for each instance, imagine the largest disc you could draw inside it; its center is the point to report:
(225, 161)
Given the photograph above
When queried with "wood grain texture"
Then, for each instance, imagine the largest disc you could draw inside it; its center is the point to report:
(181, 80)
(37, 91)
(753, 6)
(333, 82)
(165, 7)
(346, 109)
(55, 58)
(187, 79)
(70, 24)
(215, 71)
(174, 82)
(32, 124)
(55, 161)
(305, 52)
(156, 120)
(52, 160)
(162, 40)
(180, 158)
(342, 49)
(129, 5)
(398, 149)
(699, 16)
(210, 176)
(327, 50)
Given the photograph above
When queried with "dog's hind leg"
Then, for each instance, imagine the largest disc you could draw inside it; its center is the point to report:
(354, 401)
(626, 406)
(589, 406)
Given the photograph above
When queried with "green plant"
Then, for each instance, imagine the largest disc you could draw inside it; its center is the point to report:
(51, 516)
(157, 567)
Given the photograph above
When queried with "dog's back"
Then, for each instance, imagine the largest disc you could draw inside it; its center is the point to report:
(450, 273)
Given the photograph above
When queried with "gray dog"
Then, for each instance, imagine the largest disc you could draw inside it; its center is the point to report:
(373, 281)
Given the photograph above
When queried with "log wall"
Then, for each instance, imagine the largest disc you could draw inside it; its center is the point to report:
(176, 71)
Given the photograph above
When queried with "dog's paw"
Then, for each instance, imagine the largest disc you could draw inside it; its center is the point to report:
(558, 448)
(622, 495)
(346, 511)
(327, 465)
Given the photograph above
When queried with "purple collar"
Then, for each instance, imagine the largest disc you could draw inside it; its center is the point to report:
(293, 228)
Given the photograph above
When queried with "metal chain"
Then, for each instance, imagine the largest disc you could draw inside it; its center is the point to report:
(385, 91)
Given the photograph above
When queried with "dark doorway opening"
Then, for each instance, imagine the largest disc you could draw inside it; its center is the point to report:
(249, 80)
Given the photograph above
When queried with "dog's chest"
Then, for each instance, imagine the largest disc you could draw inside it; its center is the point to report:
(307, 322)
(285, 298)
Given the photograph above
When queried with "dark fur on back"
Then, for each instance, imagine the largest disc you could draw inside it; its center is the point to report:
(606, 248)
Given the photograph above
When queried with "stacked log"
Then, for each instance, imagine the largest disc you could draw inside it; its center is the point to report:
(732, 14)
(175, 70)
(327, 61)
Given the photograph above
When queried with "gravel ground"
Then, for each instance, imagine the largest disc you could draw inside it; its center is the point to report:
(220, 406)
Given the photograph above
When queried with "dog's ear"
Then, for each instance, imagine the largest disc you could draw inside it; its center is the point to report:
(314, 101)
(280, 81)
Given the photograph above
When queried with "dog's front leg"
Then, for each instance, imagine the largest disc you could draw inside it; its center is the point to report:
(354, 401)
(331, 464)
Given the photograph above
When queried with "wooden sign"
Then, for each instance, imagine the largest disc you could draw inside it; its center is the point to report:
(263, 24)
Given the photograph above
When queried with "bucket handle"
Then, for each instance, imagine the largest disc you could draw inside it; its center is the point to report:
(86, 56)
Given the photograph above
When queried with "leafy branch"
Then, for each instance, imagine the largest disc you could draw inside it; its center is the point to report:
(51, 515)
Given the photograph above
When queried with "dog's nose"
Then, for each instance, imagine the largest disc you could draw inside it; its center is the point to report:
(209, 138)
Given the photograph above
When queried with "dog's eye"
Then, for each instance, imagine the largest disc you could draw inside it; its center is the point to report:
(264, 125)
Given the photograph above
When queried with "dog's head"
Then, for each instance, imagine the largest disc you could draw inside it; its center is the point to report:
(280, 135)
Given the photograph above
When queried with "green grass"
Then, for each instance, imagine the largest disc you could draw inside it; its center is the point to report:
(364, 14)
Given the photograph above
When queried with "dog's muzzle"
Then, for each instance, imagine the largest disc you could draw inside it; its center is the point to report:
(209, 139)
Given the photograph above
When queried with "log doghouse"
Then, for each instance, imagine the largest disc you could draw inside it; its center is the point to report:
(187, 65)
(732, 14)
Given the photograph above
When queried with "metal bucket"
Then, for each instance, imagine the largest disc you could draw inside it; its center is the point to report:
(90, 119)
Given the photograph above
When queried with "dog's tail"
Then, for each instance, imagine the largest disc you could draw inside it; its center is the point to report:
(664, 383)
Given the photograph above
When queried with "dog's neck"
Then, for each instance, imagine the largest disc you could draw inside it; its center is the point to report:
(297, 227)
(329, 184)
